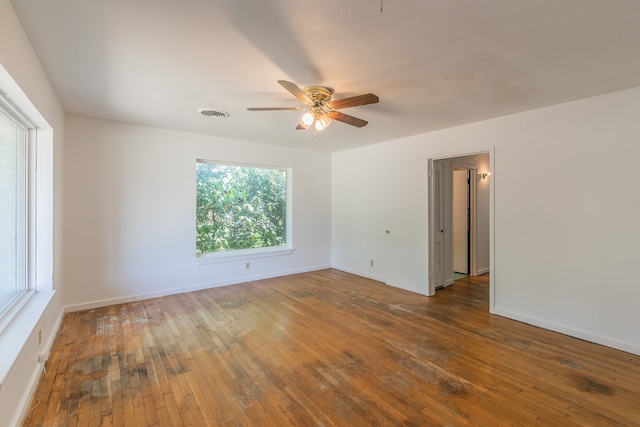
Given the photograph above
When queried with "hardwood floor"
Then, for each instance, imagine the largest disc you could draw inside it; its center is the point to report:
(327, 348)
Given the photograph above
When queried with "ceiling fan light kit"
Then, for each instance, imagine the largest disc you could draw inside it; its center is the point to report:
(319, 109)
(308, 118)
(322, 122)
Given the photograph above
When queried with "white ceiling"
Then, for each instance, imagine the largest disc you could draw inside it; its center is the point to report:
(433, 63)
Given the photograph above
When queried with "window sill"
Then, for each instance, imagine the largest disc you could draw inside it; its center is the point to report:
(9, 315)
(19, 331)
(241, 255)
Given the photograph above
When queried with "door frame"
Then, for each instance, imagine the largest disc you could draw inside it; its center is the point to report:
(492, 278)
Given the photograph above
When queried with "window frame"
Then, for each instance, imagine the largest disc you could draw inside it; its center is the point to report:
(251, 253)
(18, 323)
(28, 232)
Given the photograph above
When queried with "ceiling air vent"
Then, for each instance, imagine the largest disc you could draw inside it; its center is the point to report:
(212, 112)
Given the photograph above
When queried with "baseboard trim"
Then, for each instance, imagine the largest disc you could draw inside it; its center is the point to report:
(573, 332)
(481, 271)
(140, 297)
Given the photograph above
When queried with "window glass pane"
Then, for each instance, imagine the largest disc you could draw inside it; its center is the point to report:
(12, 211)
(239, 207)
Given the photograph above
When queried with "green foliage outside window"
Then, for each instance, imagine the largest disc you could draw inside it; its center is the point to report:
(239, 207)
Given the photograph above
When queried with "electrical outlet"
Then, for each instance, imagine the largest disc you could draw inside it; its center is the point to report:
(39, 336)
(247, 265)
(371, 263)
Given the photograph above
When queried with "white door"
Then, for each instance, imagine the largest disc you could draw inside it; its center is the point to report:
(407, 232)
(437, 225)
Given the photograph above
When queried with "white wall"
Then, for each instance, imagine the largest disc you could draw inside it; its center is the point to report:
(130, 211)
(21, 63)
(565, 205)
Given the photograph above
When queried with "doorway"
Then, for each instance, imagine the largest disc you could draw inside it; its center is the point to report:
(459, 218)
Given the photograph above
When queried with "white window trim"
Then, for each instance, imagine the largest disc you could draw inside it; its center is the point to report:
(14, 114)
(20, 319)
(14, 308)
(242, 255)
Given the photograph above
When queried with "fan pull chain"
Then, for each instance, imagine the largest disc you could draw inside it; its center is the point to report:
(380, 6)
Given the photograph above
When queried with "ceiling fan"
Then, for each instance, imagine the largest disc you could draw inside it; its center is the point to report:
(320, 109)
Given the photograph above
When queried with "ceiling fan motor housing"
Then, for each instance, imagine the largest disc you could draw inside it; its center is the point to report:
(320, 95)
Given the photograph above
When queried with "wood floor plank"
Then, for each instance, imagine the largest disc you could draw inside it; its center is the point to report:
(327, 348)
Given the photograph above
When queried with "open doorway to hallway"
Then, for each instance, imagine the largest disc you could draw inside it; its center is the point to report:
(459, 218)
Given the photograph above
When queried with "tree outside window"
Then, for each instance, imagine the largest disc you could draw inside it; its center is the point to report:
(239, 207)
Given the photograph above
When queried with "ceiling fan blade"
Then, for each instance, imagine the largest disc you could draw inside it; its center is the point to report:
(276, 109)
(296, 91)
(302, 126)
(345, 118)
(354, 101)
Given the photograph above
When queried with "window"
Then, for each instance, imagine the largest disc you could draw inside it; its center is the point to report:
(26, 229)
(241, 209)
(13, 210)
